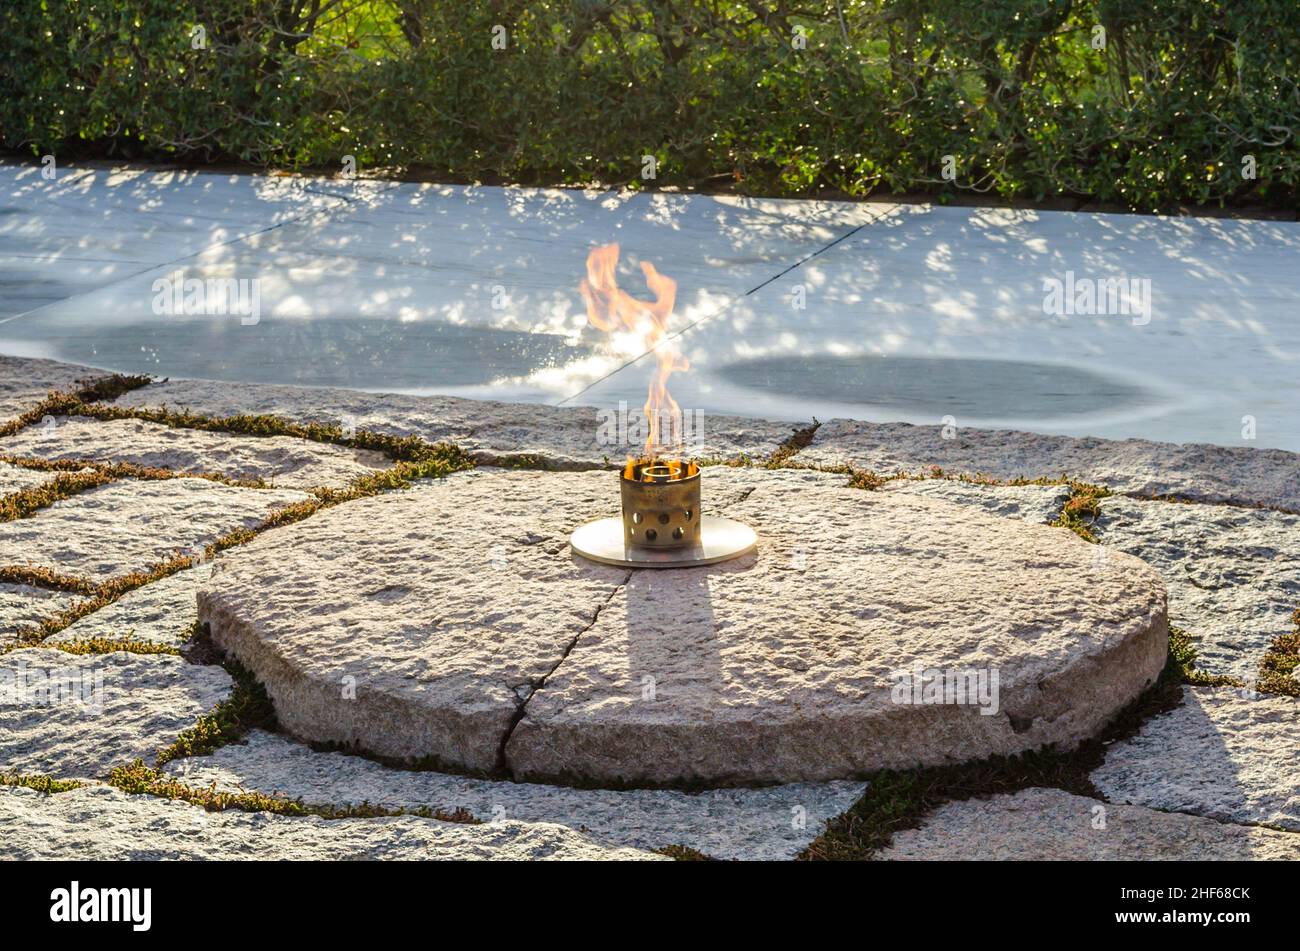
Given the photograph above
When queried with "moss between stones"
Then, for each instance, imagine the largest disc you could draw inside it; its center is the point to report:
(684, 853)
(1279, 666)
(139, 779)
(99, 645)
(47, 579)
(45, 784)
(247, 708)
(899, 799)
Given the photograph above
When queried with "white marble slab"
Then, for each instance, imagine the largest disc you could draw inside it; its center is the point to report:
(91, 226)
(949, 285)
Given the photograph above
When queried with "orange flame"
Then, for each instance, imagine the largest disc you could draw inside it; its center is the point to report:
(612, 310)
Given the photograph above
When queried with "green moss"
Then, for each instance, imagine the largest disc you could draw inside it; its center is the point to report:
(139, 779)
(684, 853)
(1278, 667)
(45, 784)
(1183, 654)
(1082, 508)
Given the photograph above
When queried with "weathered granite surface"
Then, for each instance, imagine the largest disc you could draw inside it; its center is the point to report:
(1223, 754)
(71, 715)
(559, 437)
(284, 461)
(458, 604)
(1233, 573)
(22, 605)
(774, 822)
(1051, 824)
(129, 525)
(161, 612)
(1204, 472)
(100, 823)
(1033, 503)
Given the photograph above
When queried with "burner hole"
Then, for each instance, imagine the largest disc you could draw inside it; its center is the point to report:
(636, 518)
(689, 513)
(651, 534)
(663, 518)
(677, 532)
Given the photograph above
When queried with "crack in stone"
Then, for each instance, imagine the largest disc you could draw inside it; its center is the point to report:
(502, 767)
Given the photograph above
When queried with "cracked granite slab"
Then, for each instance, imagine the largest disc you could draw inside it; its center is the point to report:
(77, 716)
(563, 438)
(774, 822)
(22, 605)
(1038, 824)
(161, 612)
(1223, 753)
(281, 460)
(1208, 473)
(400, 624)
(100, 823)
(1233, 573)
(127, 526)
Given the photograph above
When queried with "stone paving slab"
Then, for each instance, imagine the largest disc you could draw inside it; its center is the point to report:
(100, 823)
(74, 715)
(1033, 503)
(1233, 573)
(161, 612)
(22, 605)
(559, 437)
(771, 823)
(1208, 473)
(781, 667)
(1037, 824)
(449, 607)
(1221, 754)
(127, 526)
(281, 460)
(24, 382)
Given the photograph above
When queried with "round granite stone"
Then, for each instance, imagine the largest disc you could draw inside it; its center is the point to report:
(450, 625)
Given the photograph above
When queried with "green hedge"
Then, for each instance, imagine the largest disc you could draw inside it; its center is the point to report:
(718, 92)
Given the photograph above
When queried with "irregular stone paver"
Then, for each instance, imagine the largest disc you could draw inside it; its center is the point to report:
(1051, 824)
(129, 525)
(16, 478)
(22, 605)
(1204, 472)
(293, 463)
(98, 823)
(1221, 754)
(559, 437)
(161, 612)
(1033, 503)
(775, 667)
(1233, 573)
(436, 608)
(72, 715)
(774, 822)
(782, 668)
(24, 382)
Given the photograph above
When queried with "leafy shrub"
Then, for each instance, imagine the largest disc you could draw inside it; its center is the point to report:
(722, 94)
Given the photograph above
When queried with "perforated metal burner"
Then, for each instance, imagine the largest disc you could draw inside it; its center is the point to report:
(661, 525)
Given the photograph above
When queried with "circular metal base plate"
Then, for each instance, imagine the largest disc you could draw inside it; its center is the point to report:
(721, 539)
